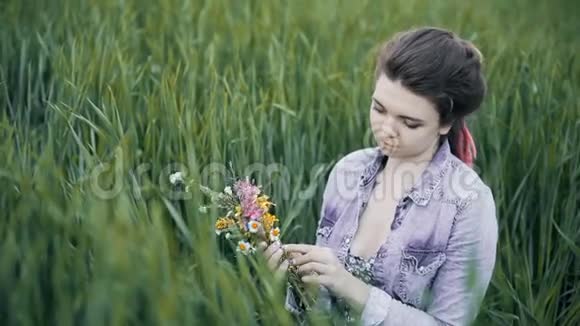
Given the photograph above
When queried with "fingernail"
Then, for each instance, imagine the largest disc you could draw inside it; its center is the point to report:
(291, 261)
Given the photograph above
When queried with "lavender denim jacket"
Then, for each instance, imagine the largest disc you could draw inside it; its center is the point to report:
(436, 264)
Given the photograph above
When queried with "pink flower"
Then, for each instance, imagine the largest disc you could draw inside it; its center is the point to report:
(246, 190)
(248, 195)
(255, 213)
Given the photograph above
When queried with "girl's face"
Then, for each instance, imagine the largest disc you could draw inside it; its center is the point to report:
(405, 125)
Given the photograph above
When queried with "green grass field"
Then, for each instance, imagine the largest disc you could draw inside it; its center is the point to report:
(101, 100)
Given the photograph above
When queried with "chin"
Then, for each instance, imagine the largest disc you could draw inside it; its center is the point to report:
(389, 151)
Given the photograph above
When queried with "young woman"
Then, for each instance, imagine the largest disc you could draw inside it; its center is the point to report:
(408, 231)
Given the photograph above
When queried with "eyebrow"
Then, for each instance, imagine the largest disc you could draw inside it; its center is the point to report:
(400, 116)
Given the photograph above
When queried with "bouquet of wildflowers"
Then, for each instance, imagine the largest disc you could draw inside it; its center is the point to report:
(247, 216)
(248, 220)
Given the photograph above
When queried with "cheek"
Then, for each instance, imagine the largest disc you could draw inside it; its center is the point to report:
(417, 139)
(374, 117)
(376, 122)
(411, 137)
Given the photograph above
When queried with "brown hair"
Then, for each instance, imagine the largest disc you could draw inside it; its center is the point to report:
(437, 64)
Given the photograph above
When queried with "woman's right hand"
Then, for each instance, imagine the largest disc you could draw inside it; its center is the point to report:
(273, 254)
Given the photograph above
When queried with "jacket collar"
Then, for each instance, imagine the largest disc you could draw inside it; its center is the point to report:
(423, 189)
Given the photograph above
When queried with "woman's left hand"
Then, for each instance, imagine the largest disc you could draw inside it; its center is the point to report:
(322, 267)
(319, 265)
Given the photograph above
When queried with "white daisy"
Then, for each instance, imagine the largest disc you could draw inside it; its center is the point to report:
(254, 226)
(244, 247)
(275, 234)
(176, 177)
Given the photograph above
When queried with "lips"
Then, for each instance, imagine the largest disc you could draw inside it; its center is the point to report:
(386, 140)
(391, 143)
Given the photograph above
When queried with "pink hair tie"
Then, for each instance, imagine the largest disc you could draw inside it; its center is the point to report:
(466, 149)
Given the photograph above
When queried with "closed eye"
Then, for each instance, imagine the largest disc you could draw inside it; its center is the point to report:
(411, 125)
(379, 109)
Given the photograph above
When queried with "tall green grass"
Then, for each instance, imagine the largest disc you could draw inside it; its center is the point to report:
(101, 100)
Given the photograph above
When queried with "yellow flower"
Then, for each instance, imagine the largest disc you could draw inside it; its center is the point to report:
(223, 223)
(238, 212)
(268, 221)
(263, 202)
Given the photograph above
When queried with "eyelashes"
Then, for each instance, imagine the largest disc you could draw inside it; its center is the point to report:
(379, 110)
(406, 123)
(411, 126)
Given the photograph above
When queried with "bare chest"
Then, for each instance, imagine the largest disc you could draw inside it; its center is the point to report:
(374, 224)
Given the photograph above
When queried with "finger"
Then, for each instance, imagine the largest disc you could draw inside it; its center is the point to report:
(294, 254)
(261, 232)
(274, 247)
(303, 248)
(310, 279)
(274, 261)
(270, 249)
(302, 259)
(262, 246)
(314, 267)
(291, 256)
(316, 280)
(318, 255)
(282, 270)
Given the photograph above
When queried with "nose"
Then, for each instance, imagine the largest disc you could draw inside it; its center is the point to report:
(389, 128)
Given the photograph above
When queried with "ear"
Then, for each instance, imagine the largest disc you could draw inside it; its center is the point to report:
(444, 130)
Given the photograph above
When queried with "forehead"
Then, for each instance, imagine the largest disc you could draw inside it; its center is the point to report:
(398, 99)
